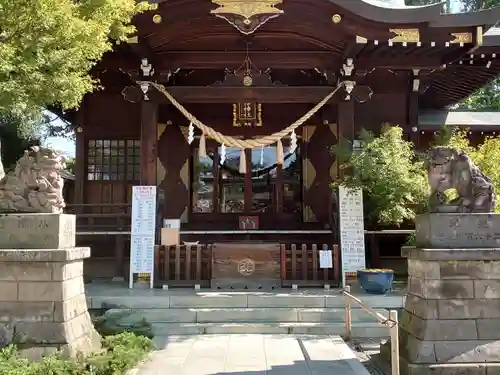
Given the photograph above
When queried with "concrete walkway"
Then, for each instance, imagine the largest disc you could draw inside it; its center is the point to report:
(253, 355)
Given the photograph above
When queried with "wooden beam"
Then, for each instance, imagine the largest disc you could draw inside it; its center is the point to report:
(218, 60)
(214, 94)
(261, 59)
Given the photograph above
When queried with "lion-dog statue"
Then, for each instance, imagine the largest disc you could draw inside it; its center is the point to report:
(36, 184)
(449, 168)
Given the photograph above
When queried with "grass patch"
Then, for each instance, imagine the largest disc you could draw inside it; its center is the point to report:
(120, 353)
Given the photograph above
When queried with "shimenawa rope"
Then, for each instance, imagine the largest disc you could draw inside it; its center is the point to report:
(229, 141)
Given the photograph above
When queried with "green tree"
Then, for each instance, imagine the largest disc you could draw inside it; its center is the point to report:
(393, 180)
(472, 5)
(47, 48)
(18, 131)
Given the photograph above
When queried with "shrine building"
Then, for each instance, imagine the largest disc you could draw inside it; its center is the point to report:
(231, 108)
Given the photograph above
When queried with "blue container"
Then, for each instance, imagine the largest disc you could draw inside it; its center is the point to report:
(376, 281)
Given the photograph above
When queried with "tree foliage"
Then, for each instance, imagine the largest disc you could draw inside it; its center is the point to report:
(47, 48)
(389, 173)
(18, 131)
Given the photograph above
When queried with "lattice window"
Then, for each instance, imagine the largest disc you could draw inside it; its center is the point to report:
(113, 160)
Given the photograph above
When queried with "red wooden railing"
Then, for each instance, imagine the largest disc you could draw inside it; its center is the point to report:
(184, 265)
(301, 266)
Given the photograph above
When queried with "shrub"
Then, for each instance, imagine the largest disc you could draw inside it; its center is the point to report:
(120, 353)
(392, 177)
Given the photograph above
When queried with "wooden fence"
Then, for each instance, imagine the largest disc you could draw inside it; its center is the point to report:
(184, 265)
(301, 266)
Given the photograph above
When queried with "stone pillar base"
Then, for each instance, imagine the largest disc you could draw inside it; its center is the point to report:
(42, 299)
(451, 319)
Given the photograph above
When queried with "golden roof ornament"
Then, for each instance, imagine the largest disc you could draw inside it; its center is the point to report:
(247, 15)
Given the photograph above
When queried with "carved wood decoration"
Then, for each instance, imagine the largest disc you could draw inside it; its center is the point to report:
(160, 168)
(405, 35)
(247, 15)
(308, 174)
(175, 183)
(319, 170)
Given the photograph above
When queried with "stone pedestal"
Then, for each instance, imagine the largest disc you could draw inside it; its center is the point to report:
(451, 320)
(42, 299)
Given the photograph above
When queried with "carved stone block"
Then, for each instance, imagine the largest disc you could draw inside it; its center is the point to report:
(37, 231)
(457, 231)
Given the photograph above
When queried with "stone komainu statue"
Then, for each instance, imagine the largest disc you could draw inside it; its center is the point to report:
(449, 168)
(35, 185)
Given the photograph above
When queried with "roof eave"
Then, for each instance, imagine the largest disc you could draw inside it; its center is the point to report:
(382, 14)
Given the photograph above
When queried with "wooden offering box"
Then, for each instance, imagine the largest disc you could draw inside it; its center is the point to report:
(245, 266)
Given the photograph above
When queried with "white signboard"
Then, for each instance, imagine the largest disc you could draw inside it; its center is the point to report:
(325, 259)
(352, 231)
(172, 223)
(142, 238)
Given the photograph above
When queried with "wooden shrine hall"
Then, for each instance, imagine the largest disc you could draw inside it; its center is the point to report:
(231, 108)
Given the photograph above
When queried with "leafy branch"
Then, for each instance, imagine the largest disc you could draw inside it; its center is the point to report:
(388, 171)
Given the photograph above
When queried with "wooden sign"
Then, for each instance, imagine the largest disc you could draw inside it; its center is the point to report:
(243, 265)
(248, 222)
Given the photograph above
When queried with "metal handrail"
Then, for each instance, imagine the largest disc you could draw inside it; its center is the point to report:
(390, 322)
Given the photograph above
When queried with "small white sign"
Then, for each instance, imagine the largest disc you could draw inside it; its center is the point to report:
(325, 259)
(172, 223)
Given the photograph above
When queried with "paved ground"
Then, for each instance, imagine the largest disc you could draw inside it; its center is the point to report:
(253, 355)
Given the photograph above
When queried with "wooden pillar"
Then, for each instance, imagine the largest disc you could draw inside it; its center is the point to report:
(149, 131)
(346, 120)
(247, 190)
(413, 130)
(80, 158)
(346, 123)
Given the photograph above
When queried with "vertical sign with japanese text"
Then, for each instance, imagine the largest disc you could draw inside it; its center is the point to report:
(142, 239)
(352, 231)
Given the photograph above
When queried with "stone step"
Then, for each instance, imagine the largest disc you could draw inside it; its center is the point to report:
(278, 315)
(359, 330)
(190, 299)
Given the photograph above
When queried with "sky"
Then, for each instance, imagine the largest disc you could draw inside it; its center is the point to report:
(67, 146)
